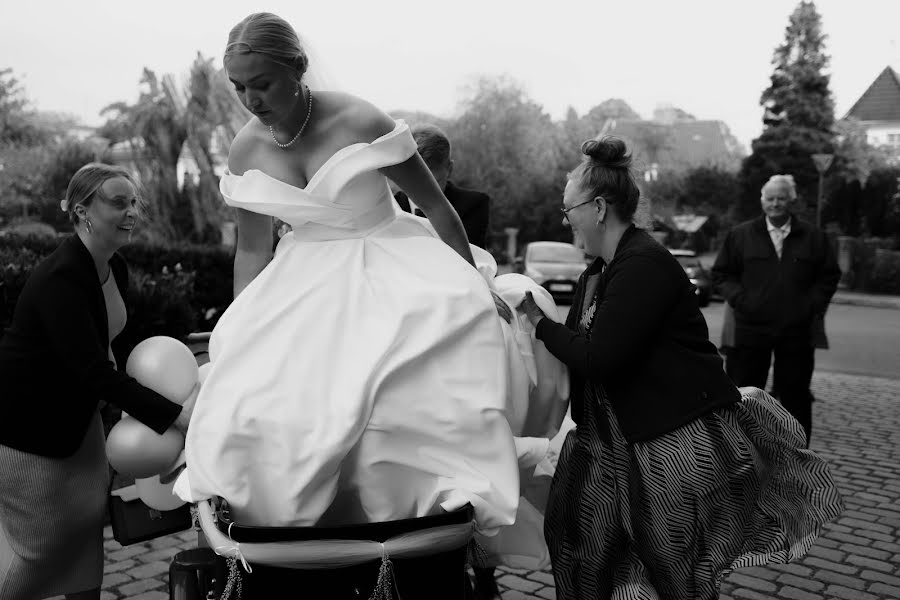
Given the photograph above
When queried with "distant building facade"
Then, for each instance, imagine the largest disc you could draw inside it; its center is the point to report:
(878, 110)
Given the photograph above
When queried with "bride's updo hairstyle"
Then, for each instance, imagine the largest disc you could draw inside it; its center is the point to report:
(606, 171)
(271, 36)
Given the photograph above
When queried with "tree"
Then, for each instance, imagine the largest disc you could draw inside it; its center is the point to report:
(611, 108)
(16, 120)
(708, 191)
(506, 145)
(798, 114)
(154, 132)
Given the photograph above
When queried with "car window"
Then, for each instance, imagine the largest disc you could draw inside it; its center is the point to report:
(688, 261)
(555, 254)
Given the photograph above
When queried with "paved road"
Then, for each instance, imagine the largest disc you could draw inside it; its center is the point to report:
(857, 428)
(864, 340)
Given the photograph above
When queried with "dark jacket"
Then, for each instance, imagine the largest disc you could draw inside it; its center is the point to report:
(472, 207)
(54, 359)
(775, 298)
(649, 345)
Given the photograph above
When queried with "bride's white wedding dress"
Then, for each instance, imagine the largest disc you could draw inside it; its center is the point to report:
(362, 375)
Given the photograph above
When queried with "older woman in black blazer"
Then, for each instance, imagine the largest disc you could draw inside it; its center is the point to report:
(56, 366)
(672, 476)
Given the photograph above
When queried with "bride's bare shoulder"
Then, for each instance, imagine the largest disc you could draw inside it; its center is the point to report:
(245, 146)
(361, 119)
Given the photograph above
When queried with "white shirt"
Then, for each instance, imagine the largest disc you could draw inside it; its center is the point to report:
(777, 234)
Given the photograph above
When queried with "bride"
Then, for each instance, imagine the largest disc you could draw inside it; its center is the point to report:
(360, 373)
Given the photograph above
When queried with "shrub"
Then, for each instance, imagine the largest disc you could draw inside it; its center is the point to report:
(863, 259)
(885, 275)
(173, 289)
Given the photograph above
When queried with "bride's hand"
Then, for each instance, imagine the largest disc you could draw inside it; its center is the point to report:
(502, 307)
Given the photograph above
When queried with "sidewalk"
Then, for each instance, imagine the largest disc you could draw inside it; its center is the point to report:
(863, 299)
(857, 429)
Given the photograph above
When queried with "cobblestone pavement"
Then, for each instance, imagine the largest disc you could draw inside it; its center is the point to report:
(857, 429)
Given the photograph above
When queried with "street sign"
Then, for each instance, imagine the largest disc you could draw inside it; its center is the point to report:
(823, 161)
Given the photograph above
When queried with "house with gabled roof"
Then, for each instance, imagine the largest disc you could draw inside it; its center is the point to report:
(878, 110)
(677, 143)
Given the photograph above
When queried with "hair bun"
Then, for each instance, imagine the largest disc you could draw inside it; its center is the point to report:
(608, 151)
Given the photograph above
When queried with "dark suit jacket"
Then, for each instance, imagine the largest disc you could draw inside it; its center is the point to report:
(776, 298)
(649, 345)
(54, 359)
(472, 207)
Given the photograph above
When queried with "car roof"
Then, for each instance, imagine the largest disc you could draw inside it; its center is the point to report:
(551, 244)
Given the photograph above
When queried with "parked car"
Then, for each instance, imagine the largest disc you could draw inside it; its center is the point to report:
(693, 268)
(554, 265)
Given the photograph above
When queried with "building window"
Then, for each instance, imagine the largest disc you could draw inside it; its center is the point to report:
(893, 142)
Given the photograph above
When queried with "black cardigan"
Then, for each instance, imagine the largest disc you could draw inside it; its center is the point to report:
(649, 345)
(54, 359)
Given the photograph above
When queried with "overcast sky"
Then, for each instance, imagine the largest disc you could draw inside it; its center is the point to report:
(710, 57)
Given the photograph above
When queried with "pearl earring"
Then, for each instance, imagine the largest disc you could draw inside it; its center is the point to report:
(297, 93)
(89, 226)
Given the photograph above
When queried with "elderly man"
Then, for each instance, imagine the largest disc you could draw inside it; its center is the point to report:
(472, 207)
(778, 273)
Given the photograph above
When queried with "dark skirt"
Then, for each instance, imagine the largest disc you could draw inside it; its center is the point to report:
(670, 517)
(52, 513)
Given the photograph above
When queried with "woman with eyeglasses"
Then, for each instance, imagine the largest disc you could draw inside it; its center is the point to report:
(672, 477)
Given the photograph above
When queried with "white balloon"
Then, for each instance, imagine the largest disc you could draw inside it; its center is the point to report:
(135, 449)
(164, 365)
(157, 495)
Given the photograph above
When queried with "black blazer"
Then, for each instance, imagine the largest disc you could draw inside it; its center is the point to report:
(54, 359)
(472, 207)
(776, 298)
(649, 345)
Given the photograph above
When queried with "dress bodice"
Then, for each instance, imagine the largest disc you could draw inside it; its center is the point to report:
(346, 198)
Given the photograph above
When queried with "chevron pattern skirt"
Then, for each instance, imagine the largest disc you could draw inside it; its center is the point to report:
(670, 517)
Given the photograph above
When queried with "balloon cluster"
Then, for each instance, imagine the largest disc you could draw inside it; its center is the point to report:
(168, 367)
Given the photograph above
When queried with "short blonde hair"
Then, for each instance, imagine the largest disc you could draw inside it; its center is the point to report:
(273, 37)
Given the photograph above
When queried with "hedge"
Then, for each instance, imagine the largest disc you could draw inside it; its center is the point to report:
(865, 274)
(174, 290)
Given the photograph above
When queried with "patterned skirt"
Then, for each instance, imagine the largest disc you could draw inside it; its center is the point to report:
(52, 513)
(670, 517)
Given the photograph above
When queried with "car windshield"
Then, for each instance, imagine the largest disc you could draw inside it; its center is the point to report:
(558, 254)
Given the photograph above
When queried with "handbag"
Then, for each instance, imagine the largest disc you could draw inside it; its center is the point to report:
(133, 521)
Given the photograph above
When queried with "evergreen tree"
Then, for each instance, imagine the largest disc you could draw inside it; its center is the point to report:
(798, 116)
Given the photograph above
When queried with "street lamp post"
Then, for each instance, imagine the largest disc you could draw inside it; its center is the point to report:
(822, 161)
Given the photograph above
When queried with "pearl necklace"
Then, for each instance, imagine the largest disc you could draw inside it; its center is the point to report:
(302, 127)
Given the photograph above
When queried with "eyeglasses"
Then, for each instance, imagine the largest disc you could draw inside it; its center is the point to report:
(565, 211)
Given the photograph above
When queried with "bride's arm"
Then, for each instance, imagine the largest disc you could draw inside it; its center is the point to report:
(416, 180)
(254, 231)
(254, 247)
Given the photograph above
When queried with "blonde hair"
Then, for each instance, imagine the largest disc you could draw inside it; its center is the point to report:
(606, 171)
(273, 37)
(88, 180)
